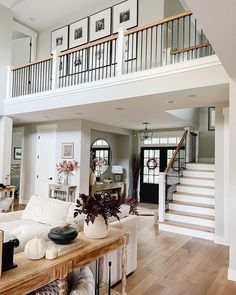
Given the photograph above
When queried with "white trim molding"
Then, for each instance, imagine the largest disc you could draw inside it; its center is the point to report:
(231, 274)
(219, 240)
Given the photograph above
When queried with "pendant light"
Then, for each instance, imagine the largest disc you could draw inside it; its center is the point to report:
(145, 133)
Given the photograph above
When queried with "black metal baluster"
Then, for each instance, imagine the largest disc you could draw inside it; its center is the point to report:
(141, 61)
(156, 48)
(183, 21)
(146, 49)
(167, 34)
(189, 35)
(195, 37)
(109, 278)
(161, 51)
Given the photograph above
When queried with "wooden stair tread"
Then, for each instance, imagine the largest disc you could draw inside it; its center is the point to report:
(194, 170)
(189, 226)
(198, 178)
(194, 195)
(189, 214)
(196, 186)
(193, 204)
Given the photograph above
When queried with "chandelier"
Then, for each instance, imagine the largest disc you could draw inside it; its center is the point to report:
(145, 133)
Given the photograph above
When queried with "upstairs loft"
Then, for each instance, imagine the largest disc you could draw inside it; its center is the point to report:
(173, 40)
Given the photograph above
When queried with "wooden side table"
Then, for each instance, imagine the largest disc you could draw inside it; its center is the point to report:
(9, 189)
(62, 192)
(103, 187)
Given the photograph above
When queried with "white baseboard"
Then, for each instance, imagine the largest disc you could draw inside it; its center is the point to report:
(24, 202)
(206, 160)
(231, 274)
(219, 240)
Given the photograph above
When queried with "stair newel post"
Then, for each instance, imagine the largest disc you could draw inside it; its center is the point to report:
(187, 145)
(55, 71)
(162, 196)
(120, 52)
(197, 147)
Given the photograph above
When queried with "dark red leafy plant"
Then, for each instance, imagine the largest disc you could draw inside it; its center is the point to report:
(133, 203)
(100, 204)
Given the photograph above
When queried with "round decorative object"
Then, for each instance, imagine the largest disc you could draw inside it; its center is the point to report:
(152, 163)
(62, 235)
(35, 248)
(96, 230)
(51, 253)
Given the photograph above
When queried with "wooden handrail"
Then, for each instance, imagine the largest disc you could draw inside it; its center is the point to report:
(178, 51)
(30, 64)
(88, 45)
(159, 22)
(176, 152)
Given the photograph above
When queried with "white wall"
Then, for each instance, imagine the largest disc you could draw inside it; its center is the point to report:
(6, 23)
(206, 138)
(21, 51)
(149, 11)
(190, 116)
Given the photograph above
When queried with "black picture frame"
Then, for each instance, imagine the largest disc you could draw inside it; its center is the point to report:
(100, 24)
(17, 153)
(62, 32)
(84, 23)
(211, 118)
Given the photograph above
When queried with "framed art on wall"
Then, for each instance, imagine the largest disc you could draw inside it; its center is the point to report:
(78, 33)
(211, 118)
(100, 24)
(59, 39)
(125, 15)
(67, 150)
(17, 153)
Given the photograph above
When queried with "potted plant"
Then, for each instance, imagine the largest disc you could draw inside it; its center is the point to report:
(67, 168)
(97, 210)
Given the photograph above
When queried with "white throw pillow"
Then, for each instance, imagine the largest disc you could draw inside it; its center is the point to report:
(48, 211)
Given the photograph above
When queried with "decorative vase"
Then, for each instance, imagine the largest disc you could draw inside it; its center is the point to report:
(96, 230)
(66, 178)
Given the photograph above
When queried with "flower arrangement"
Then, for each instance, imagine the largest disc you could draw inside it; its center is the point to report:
(67, 167)
(102, 204)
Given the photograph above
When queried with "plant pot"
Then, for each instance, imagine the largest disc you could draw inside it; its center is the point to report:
(96, 230)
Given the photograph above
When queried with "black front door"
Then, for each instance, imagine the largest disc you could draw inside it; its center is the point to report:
(153, 161)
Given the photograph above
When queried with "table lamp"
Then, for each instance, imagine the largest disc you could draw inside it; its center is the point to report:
(117, 171)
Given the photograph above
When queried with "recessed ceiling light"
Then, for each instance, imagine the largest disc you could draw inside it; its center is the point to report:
(79, 113)
(119, 109)
(46, 117)
(192, 95)
(31, 18)
(171, 101)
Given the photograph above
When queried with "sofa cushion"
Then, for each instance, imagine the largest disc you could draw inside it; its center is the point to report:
(78, 221)
(48, 211)
(25, 231)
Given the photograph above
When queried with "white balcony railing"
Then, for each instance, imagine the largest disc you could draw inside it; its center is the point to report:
(164, 42)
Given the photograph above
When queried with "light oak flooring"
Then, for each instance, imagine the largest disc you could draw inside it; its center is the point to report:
(175, 264)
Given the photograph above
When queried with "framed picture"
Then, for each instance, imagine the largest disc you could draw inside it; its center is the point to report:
(59, 41)
(67, 150)
(100, 24)
(78, 33)
(17, 153)
(125, 15)
(211, 118)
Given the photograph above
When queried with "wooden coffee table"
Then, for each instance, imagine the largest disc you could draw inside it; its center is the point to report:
(31, 275)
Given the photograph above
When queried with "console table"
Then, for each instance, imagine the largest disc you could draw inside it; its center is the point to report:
(103, 187)
(62, 192)
(31, 275)
(11, 190)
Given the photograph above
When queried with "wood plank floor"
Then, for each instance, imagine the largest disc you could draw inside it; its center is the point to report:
(171, 264)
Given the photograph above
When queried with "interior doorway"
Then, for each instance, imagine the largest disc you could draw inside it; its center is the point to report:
(45, 159)
(153, 161)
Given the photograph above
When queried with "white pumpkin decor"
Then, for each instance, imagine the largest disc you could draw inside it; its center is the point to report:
(35, 248)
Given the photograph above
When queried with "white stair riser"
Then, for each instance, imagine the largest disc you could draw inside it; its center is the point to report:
(195, 166)
(187, 231)
(192, 209)
(194, 190)
(192, 199)
(200, 182)
(202, 174)
(189, 219)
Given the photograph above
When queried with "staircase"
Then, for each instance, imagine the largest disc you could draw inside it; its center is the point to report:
(192, 211)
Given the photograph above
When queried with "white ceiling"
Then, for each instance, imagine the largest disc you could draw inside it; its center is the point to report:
(42, 14)
(136, 110)
(217, 18)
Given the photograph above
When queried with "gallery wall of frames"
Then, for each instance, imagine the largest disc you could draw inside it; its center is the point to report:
(99, 25)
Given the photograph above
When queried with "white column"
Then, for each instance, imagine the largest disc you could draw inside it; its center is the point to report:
(162, 196)
(197, 147)
(120, 52)
(232, 181)
(55, 71)
(5, 149)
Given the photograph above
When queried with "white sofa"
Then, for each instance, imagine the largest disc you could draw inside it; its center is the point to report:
(42, 214)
